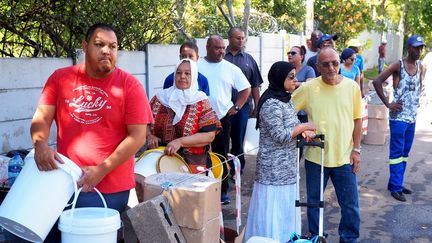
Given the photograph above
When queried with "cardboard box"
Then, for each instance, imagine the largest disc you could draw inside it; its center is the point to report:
(374, 138)
(377, 111)
(210, 233)
(194, 199)
(377, 125)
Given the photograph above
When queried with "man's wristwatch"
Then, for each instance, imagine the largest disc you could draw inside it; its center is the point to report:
(236, 107)
(357, 150)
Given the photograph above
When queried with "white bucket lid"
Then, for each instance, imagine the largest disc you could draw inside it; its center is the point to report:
(89, 221)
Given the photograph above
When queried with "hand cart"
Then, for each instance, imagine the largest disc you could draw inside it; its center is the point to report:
(300, 144)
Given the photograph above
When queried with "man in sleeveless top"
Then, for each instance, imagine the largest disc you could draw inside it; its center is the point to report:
(407, 76)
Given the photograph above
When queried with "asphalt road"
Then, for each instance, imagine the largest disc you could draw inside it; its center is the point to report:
(383, 219)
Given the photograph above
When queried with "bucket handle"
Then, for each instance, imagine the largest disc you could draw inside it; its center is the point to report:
(69, 171)
(76, 199)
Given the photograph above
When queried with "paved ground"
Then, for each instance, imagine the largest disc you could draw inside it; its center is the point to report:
(383, 219)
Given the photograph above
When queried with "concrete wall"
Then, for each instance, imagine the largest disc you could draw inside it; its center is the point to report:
(161, 61)
(21, 82)
(370, 51)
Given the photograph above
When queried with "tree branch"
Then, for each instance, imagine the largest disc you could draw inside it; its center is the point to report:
(246, 16)
(229, 4)
(230, 23)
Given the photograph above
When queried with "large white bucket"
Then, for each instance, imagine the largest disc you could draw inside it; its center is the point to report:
(37, 198)
(146, 164)
(251, 140)
(89, 224)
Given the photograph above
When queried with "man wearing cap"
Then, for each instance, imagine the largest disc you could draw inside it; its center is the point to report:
(325, 40)
(407, 77)
(355, 44)
(382, 55)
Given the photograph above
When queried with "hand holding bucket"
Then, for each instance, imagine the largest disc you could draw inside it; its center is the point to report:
(92, 175)
(46, 158)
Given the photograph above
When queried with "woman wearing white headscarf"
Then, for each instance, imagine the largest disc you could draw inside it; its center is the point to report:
(184, 120)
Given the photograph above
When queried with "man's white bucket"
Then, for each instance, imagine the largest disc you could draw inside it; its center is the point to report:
(37, 198)
(89, 224)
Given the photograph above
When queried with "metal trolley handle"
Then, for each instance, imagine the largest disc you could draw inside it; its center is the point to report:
(319, 141)
(301, 142)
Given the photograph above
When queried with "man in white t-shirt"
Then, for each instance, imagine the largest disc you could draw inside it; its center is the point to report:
(223, 76)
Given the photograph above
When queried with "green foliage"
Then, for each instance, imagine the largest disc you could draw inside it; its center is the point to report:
(56, 28)
(371, 73)
(418, 19)
(290, 14)
(347, 18)
(202, 18)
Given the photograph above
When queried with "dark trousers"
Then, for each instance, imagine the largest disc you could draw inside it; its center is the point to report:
(238, 131)
(220, 145)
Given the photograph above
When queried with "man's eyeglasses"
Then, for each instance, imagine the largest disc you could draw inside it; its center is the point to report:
(292, 53)
(327, 64)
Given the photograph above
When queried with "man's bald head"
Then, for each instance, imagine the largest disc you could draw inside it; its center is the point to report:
(327, 51)
(315, 35)
(214, 38)
(328, 63)
(215, 48)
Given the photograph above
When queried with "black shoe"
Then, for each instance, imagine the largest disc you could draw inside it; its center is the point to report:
(406, 191)
(225, 200)
(398, 196)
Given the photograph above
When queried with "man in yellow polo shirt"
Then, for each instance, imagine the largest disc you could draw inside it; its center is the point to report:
(333, 104)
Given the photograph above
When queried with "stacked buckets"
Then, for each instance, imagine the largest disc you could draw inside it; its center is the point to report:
(38, 198)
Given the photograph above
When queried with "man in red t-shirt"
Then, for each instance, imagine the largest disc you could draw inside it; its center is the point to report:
(101, 113)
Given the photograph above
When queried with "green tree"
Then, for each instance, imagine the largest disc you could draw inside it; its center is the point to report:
(418, 19)
(55, 28)
(415, 16)
(290, 14)
(347, 18)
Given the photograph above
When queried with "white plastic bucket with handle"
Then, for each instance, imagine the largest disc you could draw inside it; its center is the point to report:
(89, 224)
(251, 140)
(37, 198)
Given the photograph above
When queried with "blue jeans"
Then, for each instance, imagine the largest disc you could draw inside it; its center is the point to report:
(238, 131)
(381, 62)
(345, 184)
(401, 140)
